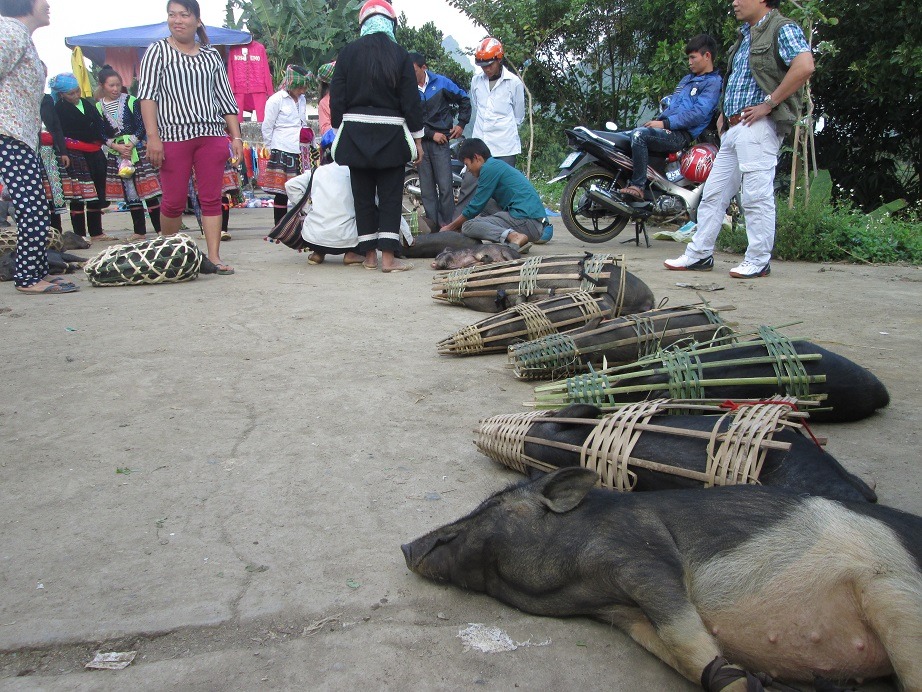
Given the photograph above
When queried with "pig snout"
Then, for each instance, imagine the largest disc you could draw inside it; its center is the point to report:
(423, 557)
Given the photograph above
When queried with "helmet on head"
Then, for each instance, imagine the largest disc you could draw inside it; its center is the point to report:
(488, 51)
(373, 7)
(698, 161)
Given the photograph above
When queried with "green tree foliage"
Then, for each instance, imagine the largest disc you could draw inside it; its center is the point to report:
(427, 40)
(867, 88)
(303, 32)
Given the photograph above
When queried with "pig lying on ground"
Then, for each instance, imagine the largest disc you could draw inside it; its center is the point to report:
(799, 587)
(58, 263)
(431, 244)
(486, 253)
(804, 468)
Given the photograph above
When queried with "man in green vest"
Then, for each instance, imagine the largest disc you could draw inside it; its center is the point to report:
(762, 99)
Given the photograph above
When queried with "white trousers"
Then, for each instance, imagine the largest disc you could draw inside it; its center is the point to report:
(748, 155)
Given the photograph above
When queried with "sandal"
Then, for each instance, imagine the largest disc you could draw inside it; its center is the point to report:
(397, 267)
(632, 191)
(136, 238)
(50, 288)
(223, 269)
(315, 258)
(102, 238)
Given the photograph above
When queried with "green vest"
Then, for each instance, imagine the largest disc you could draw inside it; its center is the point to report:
(769, 69)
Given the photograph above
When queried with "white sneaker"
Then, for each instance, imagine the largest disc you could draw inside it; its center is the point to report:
(686, 263)
(748, 270)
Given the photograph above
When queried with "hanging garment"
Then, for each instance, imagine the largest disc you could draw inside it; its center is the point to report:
(250, 77)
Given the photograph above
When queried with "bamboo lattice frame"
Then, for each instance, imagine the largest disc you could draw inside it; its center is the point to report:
(686, 373)
(9, 238)
(648, 333)
(527, 321)
(734, 456)
(169, 259)
(527, 278)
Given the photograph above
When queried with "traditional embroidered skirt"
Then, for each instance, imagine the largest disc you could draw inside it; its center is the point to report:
(54, 190)
(231, 180)
(281, 168)
(144, 184)
(76, 181)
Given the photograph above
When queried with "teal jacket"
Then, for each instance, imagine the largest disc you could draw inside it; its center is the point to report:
(511, 190)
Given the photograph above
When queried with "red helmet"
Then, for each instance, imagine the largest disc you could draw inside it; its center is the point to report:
(698, 161)
(489, 50)
(373, 7)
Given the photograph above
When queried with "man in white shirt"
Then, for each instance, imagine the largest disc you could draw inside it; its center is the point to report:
(498, 101)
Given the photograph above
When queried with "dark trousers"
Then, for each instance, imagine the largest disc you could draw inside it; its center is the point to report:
(435, 182)
(279, 207)
(378, 224)
(647, 139)
(469, 185)
(89, 214)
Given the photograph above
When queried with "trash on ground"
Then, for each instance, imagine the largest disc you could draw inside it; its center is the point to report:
(490, 640)
(701, 287)
(114, 660)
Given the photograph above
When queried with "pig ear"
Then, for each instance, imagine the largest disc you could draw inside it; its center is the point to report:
(563, 490)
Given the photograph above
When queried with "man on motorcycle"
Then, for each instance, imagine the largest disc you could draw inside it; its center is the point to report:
(690, 109)
(441, 97)
(762, 99)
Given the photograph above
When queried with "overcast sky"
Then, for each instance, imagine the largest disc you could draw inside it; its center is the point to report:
(76, 17)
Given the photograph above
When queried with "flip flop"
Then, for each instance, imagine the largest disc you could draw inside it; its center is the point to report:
(522, 249)
(398, 267)
(223, 269)
(353, 263)
(371, 267)
(315, 258)
(102, 239)
(51, 288)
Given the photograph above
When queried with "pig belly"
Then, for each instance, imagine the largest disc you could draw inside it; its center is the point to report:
(795, 635)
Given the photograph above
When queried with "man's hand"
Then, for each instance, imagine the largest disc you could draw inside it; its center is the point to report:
(456, 132)
(419, 153)
(656, 124)
(439, 138)
(753, 114)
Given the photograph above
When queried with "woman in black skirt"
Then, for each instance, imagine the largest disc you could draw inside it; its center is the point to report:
(85, 183)
(375, 106)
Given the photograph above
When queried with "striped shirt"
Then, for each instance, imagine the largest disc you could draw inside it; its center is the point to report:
(742, 90)
(192, 91)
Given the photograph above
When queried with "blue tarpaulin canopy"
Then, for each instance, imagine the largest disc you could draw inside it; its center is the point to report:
(94, 45)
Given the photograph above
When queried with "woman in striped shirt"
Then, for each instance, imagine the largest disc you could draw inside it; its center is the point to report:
(188, 109)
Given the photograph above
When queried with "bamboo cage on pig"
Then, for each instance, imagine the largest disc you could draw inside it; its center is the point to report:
(617, 341)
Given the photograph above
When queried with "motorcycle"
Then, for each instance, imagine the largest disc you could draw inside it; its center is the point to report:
(412, 196)
(600, 165)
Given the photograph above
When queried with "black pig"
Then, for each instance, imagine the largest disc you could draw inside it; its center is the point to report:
(805, 467)
(487, 253)
(773, 581)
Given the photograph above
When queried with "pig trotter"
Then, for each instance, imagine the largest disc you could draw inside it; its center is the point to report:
(717, 675)
(502, 299)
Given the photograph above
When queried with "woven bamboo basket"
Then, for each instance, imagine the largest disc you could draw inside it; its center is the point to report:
(732, 452)
(9, 237)
(170, 259)
(617, 341)
(527, 321)
(496, 287)
(683, 373)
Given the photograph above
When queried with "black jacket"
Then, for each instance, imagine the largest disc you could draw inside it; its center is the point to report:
(359, 92)
(85, 127)
(52, 124)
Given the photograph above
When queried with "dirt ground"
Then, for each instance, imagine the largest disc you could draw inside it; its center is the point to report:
(219, 474)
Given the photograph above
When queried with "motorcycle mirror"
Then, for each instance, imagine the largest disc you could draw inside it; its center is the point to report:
(611, 126)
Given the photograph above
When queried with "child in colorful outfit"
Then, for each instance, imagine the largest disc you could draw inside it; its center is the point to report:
(138, 182)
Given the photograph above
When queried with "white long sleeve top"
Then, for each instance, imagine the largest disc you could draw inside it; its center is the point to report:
(283, 122)
(498, 112)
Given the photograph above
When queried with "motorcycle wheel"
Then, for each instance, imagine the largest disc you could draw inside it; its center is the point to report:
(411, 201)
(585, 219)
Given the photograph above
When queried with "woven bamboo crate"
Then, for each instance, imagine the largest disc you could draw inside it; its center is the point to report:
(617, 341)
(685, 374)
(527, 321)
(496, 287)
(732, 450)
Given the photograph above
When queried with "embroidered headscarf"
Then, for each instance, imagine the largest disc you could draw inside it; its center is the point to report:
(325, 72)
(378, 24)
(61, 84)
(296, 77)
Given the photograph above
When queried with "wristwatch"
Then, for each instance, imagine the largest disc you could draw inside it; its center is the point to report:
(769, 101)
